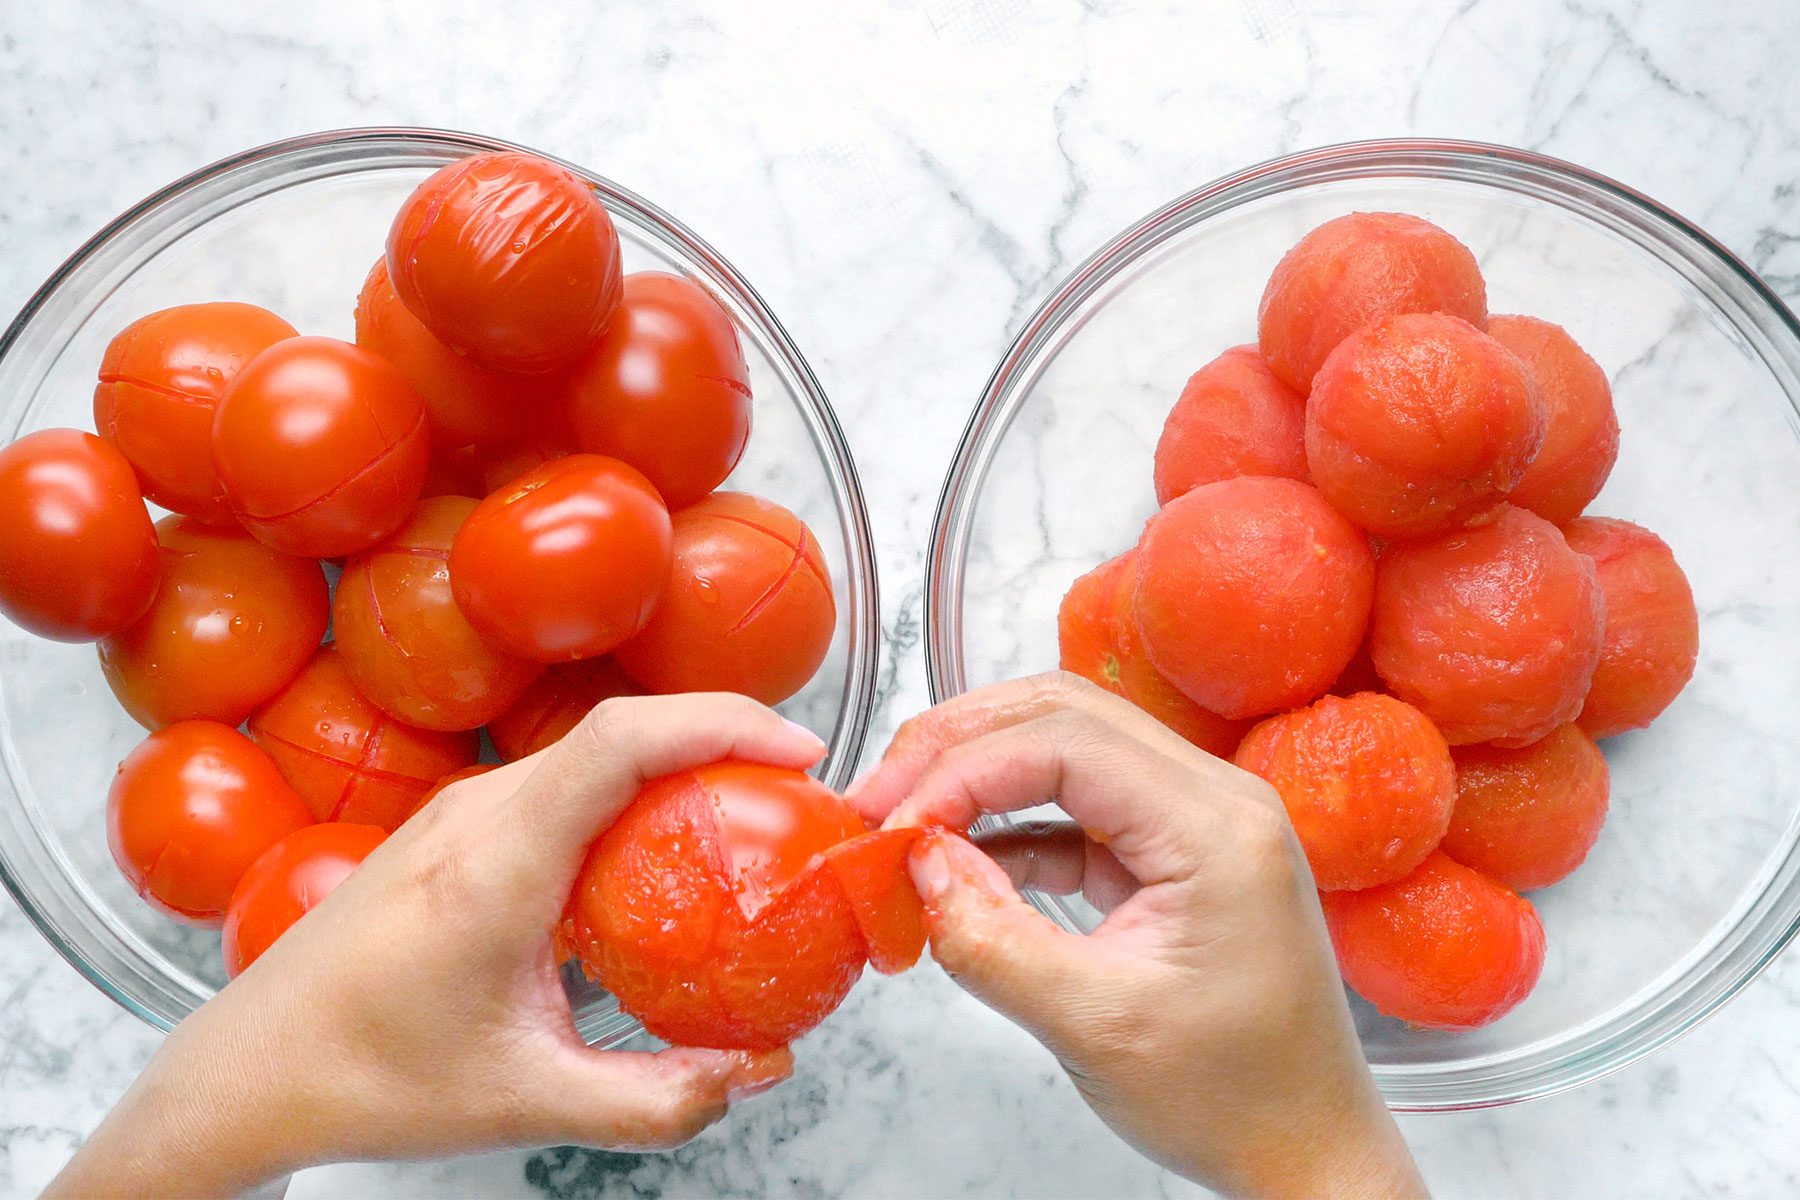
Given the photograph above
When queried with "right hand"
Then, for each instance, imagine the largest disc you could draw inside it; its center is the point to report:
(1203, 1019)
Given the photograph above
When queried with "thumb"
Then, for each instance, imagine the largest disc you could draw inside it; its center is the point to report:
(630, 1100)
(1004, 952)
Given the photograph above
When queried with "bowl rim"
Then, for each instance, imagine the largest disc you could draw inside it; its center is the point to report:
(863, 634)
(1406, 1087)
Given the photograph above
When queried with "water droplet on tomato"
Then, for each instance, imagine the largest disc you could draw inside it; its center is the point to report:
(709, 591)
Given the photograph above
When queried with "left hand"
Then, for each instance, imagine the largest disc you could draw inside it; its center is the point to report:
(418, 1011)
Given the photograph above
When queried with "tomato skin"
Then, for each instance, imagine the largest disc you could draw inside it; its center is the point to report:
(289, 880)
(666, 388)
(232, 623)
(77, 551)
(555, 704)
(160, 382)
(565, 562)
(348, 760)
(407, 646)
(709, 911)
(322, 446)
(467, 404)
(509, 259)
(188, 812)
(749, 606)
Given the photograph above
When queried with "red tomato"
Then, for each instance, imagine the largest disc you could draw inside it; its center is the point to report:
(466, 403)
(190, 809)
(161, 380)
(322, 446)
(509, 259)
(453, 472)
(565, 562)
(548, 439)
(666, 388)
(748, 609)
(711, 909)
(555, 704)
(292, 878)
(231, 624)
(406, 644)
(349, 760)
(77, 552)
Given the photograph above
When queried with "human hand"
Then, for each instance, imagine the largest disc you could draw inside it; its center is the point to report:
(1203, 1019)
(418, 1011)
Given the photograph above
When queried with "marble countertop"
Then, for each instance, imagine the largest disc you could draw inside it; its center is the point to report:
(904, 180)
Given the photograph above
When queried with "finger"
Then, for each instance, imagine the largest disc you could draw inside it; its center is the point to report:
(583, 782)
(1004, 952)
(918, 742)
(626, 1100)
(1158, 815)
(1057, 857)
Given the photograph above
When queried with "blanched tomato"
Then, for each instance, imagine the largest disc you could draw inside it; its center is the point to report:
(190, 809)
(77, 553)
(555, 704)
(466, 403)
(547, 439)
(565, 562)
(507, 258)
(403, 639)
(725, 907)
(160, 382)
(232, 622)
(289, 880)
(666, 389)
(749, 606)
(349, 760)
(322, 447)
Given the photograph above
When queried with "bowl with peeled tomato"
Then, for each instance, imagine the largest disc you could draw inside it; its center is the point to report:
(1448, 488)
(353, 463)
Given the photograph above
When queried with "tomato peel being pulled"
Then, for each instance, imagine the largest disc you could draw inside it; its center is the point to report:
(734, 906)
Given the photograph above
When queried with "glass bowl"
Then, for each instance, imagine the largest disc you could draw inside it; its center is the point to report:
(1695, 883)
(295, 226)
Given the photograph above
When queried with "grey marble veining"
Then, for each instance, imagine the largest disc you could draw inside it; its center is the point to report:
(904, 181)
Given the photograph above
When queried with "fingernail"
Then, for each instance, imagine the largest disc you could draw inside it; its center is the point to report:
(752, 1074)
(931, 868)
(802, 730)
(980, 869)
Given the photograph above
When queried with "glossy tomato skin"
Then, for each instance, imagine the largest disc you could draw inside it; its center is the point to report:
(160, 382)
(232, 622)
(565, 562)
(348, 760)
(188, 812)
(666, 389)
(467, 404)
(322, 446)
(405, 643)
(77, 551)
(289, 880)
(749, 607)
(555, 704)
(707, 908)
(509, 259)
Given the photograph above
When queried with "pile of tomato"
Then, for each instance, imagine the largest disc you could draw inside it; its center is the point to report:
(510, 475)
(1371, 582)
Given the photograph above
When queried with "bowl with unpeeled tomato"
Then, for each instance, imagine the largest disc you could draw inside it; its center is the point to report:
(515, 436)
(1449, 488)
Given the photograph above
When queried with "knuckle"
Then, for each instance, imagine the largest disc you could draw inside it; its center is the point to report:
(1267, 847)
(679, 1118)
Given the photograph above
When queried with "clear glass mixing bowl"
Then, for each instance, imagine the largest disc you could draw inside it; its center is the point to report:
(1695, 883)
(295, 226)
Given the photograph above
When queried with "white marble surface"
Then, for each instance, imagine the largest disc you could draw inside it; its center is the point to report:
(904, 181)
